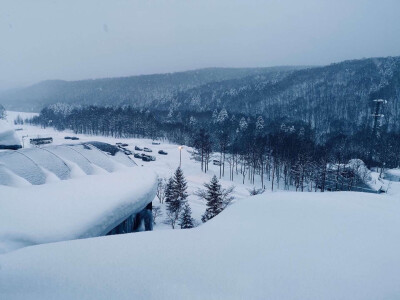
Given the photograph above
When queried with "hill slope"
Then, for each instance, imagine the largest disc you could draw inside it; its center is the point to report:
(325, 97)
(137, 91)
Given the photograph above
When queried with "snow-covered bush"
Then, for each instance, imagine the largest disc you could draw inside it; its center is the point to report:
(359, 169)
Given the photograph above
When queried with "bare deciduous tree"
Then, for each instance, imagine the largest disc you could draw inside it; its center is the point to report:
(161, 184)
(156, 211)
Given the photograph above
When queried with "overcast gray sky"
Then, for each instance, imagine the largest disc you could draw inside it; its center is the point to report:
(71, 40)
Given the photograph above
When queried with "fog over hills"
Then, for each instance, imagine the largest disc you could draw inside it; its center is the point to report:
(326, 97)
(323, 97)
(137, 91)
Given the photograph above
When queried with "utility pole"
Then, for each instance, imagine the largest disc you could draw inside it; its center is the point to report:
(180, 156)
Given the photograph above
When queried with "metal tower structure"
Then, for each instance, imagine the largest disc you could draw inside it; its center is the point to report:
(376, 131)
(377, 115)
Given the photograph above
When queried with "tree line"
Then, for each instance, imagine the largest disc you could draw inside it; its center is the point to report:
(282, 152)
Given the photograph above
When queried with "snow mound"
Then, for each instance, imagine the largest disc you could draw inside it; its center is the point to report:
(83, 207)
(8, 138)
(273, 246)
(392, 174)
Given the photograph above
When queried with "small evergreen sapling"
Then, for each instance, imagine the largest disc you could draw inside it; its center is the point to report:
(217, 198)
(186, 221)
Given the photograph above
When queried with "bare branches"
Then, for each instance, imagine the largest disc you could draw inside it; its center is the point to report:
(156, 212)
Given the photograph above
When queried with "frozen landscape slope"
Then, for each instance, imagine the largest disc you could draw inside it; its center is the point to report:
(285, 245)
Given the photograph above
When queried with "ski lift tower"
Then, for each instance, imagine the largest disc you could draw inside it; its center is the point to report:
(377, 115)
(376, 134)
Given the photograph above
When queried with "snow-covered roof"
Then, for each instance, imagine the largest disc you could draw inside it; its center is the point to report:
(63, 192)
(8, 138)
(273, 246)
(46, 164)
(80, 207)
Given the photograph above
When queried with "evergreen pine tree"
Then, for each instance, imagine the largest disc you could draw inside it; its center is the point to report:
(186, 221)
(259, 124)
(172, 213)
(180, 187)
(214, 198)
(169, 191)
(243, 124)
(175, 196)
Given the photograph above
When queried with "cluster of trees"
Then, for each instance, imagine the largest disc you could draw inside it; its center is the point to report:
(173, 192)
(336, 96)
(284, 153)
(178, 209)
(328, 97)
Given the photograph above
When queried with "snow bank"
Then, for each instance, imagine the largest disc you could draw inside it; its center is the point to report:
(8, 138)
(83, 207)
(392, 174)
(272, 246)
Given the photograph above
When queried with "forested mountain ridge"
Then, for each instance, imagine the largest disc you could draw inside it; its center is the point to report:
(136, 91)
(335, 97)
(313, 116)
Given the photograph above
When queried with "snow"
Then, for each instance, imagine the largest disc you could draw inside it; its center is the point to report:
(164, 166)
(19, 164)
(82, 207)
(395, 172)
(7, 135)
(71, 155)
(278, 245)
(49, 161)
(63, 192)
(41, 165)
(392, 174)
(273, 246)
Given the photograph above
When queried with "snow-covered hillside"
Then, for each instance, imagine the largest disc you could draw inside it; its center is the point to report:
(273, 246)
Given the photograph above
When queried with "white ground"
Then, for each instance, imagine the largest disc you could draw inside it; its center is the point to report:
(274, 246)
(279, 245)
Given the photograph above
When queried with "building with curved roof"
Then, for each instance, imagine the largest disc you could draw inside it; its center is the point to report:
(63, 192)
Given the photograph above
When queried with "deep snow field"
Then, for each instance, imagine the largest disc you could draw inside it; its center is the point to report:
(283, 245)
(278, 245)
